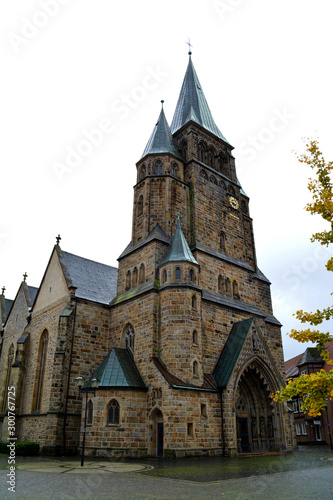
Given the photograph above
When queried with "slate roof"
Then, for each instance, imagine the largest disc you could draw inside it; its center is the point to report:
(231, 351)
(178, 250)
(32, 293)
(311, 355)
(192, 105)
(93, 281)
(156, 233)
(118, 370)
(177, 383)
(161, 140)
(239, 305)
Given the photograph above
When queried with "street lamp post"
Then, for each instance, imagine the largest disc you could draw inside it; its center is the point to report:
(86, 390)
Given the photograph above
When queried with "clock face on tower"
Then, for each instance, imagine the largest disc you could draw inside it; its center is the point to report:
(233, 202)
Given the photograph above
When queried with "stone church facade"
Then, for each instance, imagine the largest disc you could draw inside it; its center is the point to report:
(181, 337)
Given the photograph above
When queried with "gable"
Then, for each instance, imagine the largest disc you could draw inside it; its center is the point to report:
(53, 286)
(245, 344)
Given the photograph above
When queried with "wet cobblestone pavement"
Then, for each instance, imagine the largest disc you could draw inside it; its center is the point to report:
(305, 474)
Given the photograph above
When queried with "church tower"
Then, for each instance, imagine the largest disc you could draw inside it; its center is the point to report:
(192, 307)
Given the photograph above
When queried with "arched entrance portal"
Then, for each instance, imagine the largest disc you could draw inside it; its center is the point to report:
(255, 418)
(156, 433)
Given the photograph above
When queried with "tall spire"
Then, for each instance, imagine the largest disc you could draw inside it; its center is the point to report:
(161, 140)
(192, 104)
(178, 250)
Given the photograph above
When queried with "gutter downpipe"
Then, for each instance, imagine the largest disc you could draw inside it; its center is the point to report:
(68, 382)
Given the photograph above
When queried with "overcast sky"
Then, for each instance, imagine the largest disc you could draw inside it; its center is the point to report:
(80, 93)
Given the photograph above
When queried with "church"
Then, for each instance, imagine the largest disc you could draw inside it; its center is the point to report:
(180, 339)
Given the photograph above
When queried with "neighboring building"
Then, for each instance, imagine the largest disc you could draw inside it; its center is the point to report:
(182, 337)
(310, 430)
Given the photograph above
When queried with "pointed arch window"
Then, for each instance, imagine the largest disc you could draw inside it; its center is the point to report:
(135, 276)
(227, 285)
(113, 412)
(164, 276)
(222, 241)
(202, 152)
(90, 412)
(194, 302)
(128, 280)
(195, 368)
(195, 337)
(192, 276)
(235, 290)
(40, 371)
(210, 157)
(129, 337)
(142, 274)
(143, 172)
(10, 361)
(178, 273)
(174, 170)
(158, 167)
(221, 284)
(140, 205)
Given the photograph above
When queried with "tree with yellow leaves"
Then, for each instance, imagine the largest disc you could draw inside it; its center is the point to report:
(315, 388)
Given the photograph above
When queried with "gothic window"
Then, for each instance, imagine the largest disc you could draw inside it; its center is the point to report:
(235, 291)
(195, 368)
(128, 280)
(40, 371)
(164, 277)
(90, 411)
(221, 284)
(222, 241)
(129, 337)
(183, 150)
(135, 276)
(222, 163)
(195, 337)
(201, 152)
(113, 412)
(174, 170)
(192, 276)
(178, 273)
(10, 361)
(140, 205)
(142, 274)
(227, 285)
(210, 157)
(158, 167)
(143, 172)
(194, 302)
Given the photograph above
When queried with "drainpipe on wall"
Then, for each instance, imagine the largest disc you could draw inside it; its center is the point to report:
(68, 382)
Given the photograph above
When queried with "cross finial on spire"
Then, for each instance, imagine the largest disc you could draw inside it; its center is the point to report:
(3, 290)
(189, 47)
(25, 277)
(58, 238)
